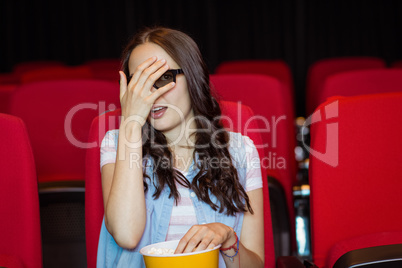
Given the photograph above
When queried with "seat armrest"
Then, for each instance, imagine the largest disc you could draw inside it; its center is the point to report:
(380, 256)
(280, 218)
(309, 264)
(288, 262)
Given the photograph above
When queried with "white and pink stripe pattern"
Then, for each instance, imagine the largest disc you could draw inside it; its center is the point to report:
(183, 215)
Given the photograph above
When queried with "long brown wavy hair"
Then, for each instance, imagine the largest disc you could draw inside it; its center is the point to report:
(222, 182)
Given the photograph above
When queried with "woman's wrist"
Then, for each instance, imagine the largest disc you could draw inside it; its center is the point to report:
(132, 121)
(232, 237)
(129, 127)
(130, 140)
(231, 251)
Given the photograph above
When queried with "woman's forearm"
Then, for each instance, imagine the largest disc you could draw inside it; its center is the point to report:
(125, 211)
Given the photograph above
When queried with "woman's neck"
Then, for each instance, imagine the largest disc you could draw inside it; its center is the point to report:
(182, 151)
(183, 135)
(182, 145)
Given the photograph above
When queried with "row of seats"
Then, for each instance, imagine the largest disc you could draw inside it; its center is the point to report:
(26, 72)
(38, 71)
(69, 105)
(106, 69)
(318, 73)
(326, 78)
(238, 114)
(354, 177)
(58, 116)
(342, 188)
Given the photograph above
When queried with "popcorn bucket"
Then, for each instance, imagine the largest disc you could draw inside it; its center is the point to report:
(200, 259)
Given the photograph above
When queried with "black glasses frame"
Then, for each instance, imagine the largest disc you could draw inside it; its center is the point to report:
(174, 73)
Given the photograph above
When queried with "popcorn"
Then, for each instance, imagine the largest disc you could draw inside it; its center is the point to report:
(161, 251)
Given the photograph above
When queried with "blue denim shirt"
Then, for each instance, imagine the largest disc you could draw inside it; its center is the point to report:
(159, 212)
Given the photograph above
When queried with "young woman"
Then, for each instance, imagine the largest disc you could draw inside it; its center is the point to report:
(171, 171)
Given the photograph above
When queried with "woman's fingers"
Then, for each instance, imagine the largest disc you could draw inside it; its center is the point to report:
(123, 84)
(205, 242)
(201, 237)
(157, 93)
(140, 68)
(151, 79)
(198, 238)
(150, 74)
(184, 240)
(138, 97)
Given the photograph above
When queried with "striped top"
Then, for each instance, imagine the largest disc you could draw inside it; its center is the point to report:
(183, 214)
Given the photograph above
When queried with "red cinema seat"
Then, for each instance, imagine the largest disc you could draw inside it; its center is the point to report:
(5, 95)
(58, 115)
(9, 78)
(355, 175)
(27, 66)
(274, 115)
(238, 115)
(322, 69)
(105, 69)
(361, 82)
(278, 69)
(397, 64)
(57, 73)
(19, 69)
(20, 233)
(275, 68)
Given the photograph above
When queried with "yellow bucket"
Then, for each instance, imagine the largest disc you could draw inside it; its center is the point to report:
(201, 259)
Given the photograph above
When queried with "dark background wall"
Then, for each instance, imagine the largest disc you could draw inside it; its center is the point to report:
(299, 32)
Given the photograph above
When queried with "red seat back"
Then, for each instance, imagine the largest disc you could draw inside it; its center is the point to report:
(9, 78)
(105, 69)
(355, 170)
(20, 233)
(397, 64)
(27, 66)
(320, 70)
(238, 114)
(19, 69)
(57, 73)
(6, 91)
(274, 68)
(361, 82)
(58, 115)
